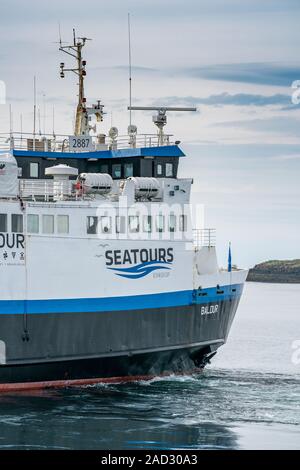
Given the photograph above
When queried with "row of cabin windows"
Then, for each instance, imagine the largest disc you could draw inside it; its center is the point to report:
(136, 224)
(47, 224)
(95, 225)
(33, 223)
(118, 170)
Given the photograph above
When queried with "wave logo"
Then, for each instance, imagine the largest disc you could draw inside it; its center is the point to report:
(142, 269)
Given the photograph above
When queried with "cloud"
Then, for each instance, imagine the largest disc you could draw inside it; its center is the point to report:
(275, 125)
(272, 74)
(287, 157)
(227, 99)
(14, 9)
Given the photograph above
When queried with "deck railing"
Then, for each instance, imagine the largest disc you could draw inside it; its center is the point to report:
(204, 237)
(60, 143)
(46, 189)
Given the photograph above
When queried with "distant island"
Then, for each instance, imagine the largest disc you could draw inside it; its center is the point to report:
(285, 271)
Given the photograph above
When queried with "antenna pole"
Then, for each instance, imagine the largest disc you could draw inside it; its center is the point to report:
(129, 69)
(21, 125)
(59, 33)
(34, 110)
(53, 122)
(10, 124)
(44, 113)
(39, 120)
(11, 127)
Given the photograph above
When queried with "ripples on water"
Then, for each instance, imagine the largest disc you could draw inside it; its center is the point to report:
(248, 398)
(212, 410)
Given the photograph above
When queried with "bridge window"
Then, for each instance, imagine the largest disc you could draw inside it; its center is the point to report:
(117, 171)
(159, 169)
(128, 170)
(16, 223)
(147, 223)
(169, 170)
(3, 222)
(92, 224)
(48, 224)
(34, 170)
(134, 225)
(105, 224)
(33, 223)
(103, 168)
(172, 222)
(62, 224)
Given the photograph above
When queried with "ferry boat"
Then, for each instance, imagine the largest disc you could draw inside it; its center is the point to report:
(103, 278)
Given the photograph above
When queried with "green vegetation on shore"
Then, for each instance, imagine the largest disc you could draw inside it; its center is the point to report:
(285, 271)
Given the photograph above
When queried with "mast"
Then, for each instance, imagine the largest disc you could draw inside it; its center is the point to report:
(82, 112)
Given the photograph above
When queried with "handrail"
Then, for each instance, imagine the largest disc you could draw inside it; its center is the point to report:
(60, 142)
(46, 189)
(205, 237)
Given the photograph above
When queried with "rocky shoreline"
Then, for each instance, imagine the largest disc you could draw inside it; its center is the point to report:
(281, 271)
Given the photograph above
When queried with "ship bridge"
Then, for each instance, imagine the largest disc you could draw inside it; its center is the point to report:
(119, 157)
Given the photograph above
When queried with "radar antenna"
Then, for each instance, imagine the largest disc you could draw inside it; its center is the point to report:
(159, 119)
(83, 113)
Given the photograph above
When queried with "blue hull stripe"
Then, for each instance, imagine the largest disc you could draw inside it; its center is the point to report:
(164, 151)
(133, 302)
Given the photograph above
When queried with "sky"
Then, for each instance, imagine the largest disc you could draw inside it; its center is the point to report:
(235, 60)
